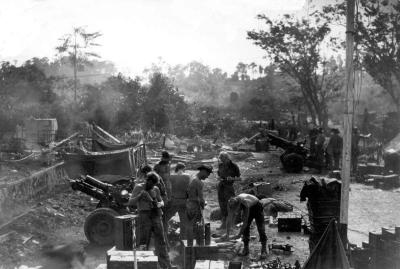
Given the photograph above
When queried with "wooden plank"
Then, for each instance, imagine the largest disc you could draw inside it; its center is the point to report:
(124, 261)
(209, 264)
(115, 251)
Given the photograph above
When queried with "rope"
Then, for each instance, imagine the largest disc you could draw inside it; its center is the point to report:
(26, 157)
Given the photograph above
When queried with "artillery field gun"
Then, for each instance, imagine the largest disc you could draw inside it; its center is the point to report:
(99, 224)
(296, 154)
(107, 176)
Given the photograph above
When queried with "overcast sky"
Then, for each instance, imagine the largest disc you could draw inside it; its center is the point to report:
(137, 32)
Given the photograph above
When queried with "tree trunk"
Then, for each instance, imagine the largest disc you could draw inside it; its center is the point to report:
(309, 106)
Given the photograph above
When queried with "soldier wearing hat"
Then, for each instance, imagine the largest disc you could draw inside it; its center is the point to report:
(195, 200)
(227, 172)
(163, 169)
(179, 183)
(146, 196)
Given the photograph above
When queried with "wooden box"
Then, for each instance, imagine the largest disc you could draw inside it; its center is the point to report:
(262, 190)
(124, 259)
(123, 232)
(127, 262)
(289, 222)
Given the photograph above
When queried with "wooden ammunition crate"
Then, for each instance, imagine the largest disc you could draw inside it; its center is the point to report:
(120, 259)
(289, 222)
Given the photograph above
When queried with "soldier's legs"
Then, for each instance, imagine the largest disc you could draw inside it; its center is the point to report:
(224, 194)
(258, 213)
(160, 243)
(170, 211)
(143, 232)
(246, 231)
(182, 220)
(194, 216)
(336, 159)
(221, 200)
(189, 230)
(328, 161)
(354, 162)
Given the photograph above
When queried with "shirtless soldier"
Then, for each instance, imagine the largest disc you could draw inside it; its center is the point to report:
(252, 209)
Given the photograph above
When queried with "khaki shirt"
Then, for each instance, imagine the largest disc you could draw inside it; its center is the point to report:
(195, 191)
(144, 201)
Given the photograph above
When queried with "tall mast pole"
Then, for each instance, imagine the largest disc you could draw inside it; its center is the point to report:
(348, 121)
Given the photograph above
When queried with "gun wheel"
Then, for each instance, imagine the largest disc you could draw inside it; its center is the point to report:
(99, 226)
(292, 163)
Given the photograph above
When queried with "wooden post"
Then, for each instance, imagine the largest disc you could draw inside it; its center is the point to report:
(348, 121)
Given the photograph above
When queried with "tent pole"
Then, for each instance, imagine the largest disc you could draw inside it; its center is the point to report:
(348, 121)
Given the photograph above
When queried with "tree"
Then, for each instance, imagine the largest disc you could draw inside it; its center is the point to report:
(78, 47)
(24, 91)
(379, 37)
(294, 46)
(241, 70)
(200, 84)
(163, 107)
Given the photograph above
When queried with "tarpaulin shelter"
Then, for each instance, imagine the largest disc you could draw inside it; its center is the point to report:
(125, 162)
(329, 252)
(391, 155)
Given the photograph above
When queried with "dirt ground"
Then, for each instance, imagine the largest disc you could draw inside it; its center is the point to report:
(60, 219)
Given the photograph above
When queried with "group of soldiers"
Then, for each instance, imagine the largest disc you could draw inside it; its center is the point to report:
(329, 154)
(159, 194)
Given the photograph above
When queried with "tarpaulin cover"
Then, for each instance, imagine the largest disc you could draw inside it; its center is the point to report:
(118, 162)
(393, 146)
(101, 145)
(329, 252)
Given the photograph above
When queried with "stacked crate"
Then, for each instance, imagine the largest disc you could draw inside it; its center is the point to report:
(381, 252)
(289, 222)
(122, 256)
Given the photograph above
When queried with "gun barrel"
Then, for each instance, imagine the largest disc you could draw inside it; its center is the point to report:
(98, 184)
(88, 189)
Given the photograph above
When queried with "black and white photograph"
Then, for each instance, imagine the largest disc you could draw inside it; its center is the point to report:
(200, 134)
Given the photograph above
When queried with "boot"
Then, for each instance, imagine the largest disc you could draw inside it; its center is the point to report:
(245, 250)
(264, 253)
(223, 224)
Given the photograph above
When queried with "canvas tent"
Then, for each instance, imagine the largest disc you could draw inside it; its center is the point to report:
(329, 252)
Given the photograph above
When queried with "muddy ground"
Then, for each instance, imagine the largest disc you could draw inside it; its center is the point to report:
(60, 219)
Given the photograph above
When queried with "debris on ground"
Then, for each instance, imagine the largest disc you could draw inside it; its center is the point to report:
(21, 242)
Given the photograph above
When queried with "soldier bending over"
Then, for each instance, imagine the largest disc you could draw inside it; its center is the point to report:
(251, 208)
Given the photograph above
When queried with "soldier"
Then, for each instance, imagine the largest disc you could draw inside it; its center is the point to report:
(251, 208)
(195, 201)
(312, 133)
(319, 149)
(179, 183)
(147, 198)
(227, 172)
(163, 169)
(334, 149)
(142, 175)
